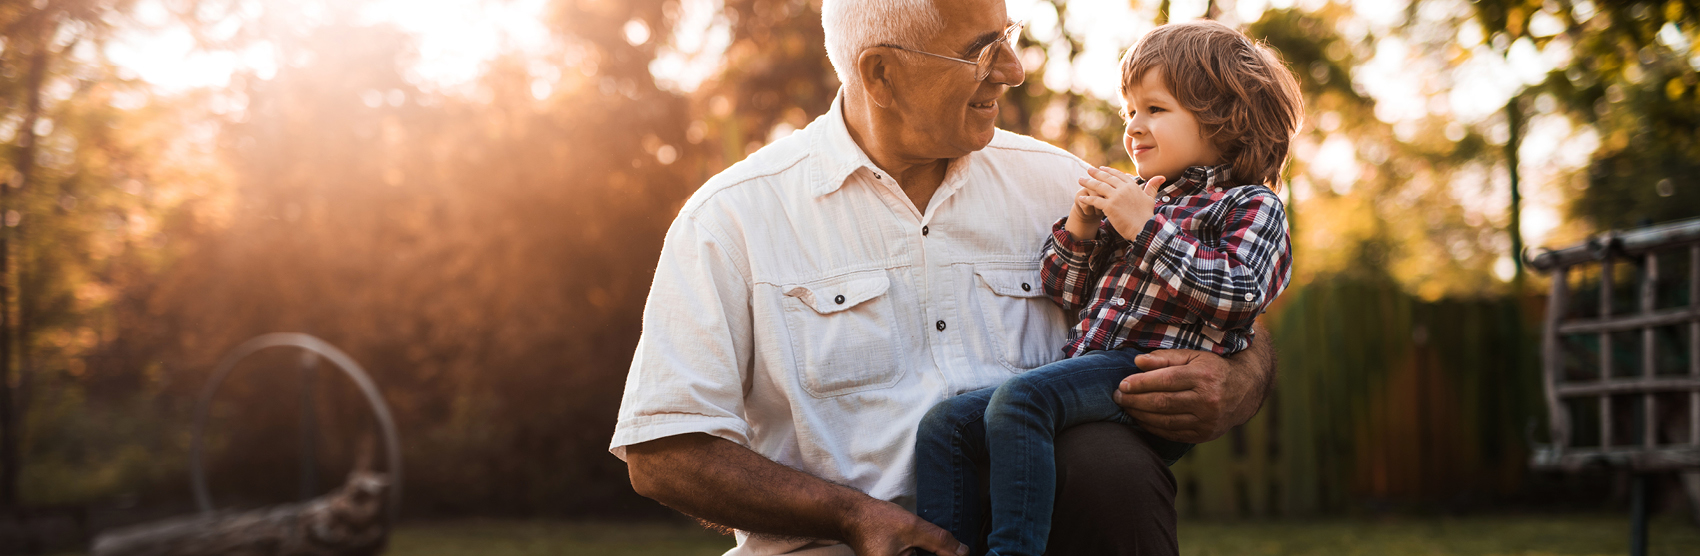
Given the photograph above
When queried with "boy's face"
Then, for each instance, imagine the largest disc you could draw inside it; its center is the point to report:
(1162, 137)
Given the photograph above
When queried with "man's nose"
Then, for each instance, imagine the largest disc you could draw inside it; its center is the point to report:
(1006, 69)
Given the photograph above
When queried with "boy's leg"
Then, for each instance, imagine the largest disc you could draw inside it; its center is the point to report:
(1022, 420)
(1115, 495)
(950, 450)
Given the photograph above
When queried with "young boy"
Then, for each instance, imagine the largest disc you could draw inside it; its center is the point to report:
(1184, 256)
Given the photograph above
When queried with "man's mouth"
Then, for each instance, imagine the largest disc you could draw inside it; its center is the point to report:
(987, 105)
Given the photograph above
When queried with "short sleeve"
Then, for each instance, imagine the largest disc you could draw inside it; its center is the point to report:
(693, 358)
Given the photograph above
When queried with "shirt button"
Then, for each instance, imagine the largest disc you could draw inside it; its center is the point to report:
(839, 300)
(1025, 287)
(1250, 296)
(924, 230)
(1117, 301)
(939, 325)
(877, 176)
(1165, 198)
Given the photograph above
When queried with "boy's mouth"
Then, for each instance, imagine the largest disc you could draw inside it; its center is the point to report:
(1142, 149)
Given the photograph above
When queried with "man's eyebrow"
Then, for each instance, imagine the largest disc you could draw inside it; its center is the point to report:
(985, 39)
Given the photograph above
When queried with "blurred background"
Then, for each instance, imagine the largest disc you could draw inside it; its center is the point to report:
(469, 196)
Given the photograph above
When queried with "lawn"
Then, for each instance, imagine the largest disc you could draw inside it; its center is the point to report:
(1504, 535)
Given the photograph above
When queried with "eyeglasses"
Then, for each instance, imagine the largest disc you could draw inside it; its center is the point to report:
(988, 55)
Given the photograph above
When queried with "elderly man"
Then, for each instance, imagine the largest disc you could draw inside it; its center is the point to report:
(813, 301)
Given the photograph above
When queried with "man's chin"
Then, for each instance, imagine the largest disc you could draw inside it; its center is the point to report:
(980, 138)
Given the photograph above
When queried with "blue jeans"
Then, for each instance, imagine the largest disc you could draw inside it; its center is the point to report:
(1011, 428)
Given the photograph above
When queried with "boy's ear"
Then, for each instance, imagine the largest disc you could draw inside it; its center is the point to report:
(874, 67)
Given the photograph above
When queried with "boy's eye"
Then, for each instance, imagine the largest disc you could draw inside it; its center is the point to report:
(1153, 109)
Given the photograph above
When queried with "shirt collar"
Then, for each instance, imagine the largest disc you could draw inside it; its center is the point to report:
(834, 155)
(1199, 179)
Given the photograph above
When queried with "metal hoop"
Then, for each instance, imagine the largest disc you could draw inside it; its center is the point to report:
(386, 423)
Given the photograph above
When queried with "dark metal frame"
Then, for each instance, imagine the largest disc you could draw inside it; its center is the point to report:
(380, 410)
(1646, 455)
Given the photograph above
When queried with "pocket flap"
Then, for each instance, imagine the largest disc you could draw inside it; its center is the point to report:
(1012, 282)
(831, 297)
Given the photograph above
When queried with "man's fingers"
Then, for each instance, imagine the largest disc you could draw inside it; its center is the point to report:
(1168, 403)
(940, 542)
(1164, 358)
(1161, 380)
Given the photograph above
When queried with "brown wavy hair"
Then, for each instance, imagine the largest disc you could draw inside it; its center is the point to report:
(1245, 99)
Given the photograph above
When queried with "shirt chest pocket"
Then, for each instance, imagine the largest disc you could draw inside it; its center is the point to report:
(843, 334)
(1027, 329)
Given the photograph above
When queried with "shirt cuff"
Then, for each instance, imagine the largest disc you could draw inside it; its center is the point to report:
(645, 428)
(1073, 249)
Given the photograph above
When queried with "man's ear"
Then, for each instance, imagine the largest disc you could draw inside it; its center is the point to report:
(874, 67)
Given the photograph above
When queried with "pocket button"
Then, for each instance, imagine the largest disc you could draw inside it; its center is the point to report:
(1025, 287)
(839, 300)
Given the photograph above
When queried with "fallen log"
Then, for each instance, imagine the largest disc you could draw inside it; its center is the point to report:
(347, 522)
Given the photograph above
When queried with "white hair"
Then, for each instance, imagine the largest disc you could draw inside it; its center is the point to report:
(855, 25)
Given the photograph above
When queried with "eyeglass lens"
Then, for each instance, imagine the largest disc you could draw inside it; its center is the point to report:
(989, 54)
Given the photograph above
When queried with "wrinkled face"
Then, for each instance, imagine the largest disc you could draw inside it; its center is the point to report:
(946, 112)
(1162, 137)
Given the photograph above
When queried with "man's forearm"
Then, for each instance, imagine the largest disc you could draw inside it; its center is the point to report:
(727, 484)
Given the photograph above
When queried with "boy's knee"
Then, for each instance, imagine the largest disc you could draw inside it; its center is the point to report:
(945, 419)
(1019, 391)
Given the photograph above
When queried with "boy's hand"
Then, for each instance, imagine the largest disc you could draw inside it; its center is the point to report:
(1121, 198)
(1083, 218)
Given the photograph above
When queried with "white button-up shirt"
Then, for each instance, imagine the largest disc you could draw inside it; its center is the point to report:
(804, 308)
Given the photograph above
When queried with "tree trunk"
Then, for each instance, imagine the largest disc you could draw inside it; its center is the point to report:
(24, 165)
(348, 522)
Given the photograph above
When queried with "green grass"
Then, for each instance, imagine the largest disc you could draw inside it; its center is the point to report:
(1476, 536)
(1565, 535)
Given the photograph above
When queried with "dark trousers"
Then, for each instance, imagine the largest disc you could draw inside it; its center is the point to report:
(1115, 496)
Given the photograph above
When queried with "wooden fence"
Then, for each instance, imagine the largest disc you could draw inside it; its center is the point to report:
(1382, 400)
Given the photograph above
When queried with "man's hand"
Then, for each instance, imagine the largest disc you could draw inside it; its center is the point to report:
(1127, 203)
(881, 528)
(1197, 396)
(721, 482)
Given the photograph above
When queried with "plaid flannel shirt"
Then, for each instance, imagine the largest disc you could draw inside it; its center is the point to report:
(1210, 260)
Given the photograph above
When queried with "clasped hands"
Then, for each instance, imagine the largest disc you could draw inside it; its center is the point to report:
(1108, 193)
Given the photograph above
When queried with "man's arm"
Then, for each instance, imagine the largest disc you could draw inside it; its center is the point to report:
(721, 482)
(1197, 396)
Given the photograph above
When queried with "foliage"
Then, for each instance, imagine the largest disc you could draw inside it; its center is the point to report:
(485, 251)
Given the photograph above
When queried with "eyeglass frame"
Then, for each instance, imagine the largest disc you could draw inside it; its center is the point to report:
(989, 53)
